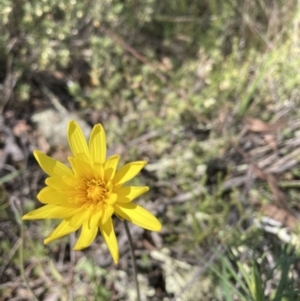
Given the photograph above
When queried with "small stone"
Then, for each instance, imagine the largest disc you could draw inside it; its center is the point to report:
(53, 126)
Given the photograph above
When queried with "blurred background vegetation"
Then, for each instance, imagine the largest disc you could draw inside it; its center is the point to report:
(208, 93)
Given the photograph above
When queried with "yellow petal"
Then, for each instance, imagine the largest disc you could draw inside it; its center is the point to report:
(50, 211)
(107, 213)
(108, 233)
(50, 166)
(58, 183)
(99, 171)
(79, 218)
(86, 237)
(81, 168)
(128, 171)
(110, 167)
(61, 230)
(59, 198)
(95, 218)
(129, 193)
(76, 139)
(112, 198)
(138, 216)
(71, 181)
(84, 157)
(97, 144)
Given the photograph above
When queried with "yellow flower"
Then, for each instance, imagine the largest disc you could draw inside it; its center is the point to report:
(90, 192)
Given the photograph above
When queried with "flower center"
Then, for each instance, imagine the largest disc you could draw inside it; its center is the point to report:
(96, 190)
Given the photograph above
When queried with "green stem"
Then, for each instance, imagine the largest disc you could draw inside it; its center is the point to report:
(133, 261)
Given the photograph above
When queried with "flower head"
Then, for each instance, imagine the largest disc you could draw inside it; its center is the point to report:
(88, 194)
